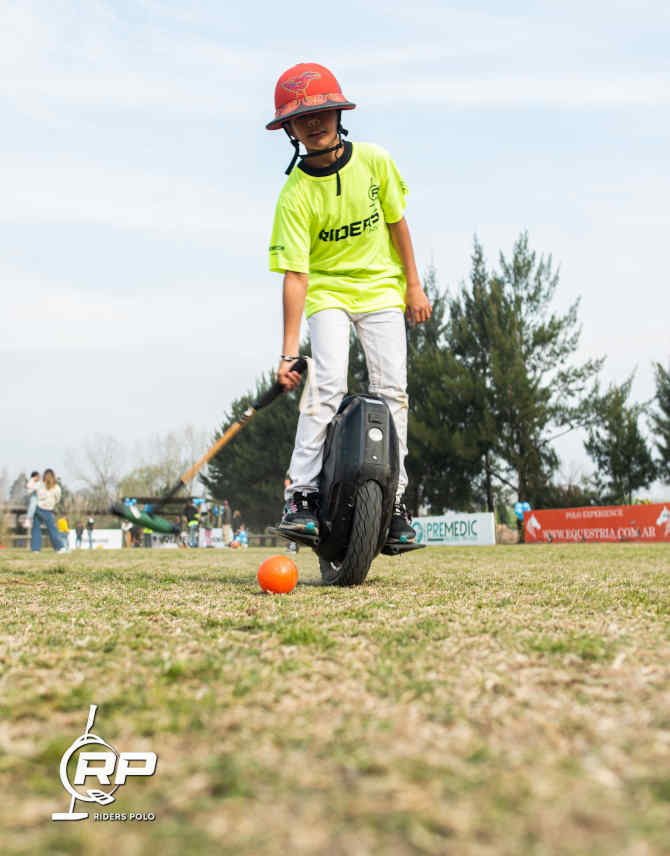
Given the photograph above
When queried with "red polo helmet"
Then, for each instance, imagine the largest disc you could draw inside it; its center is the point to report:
(306, 88)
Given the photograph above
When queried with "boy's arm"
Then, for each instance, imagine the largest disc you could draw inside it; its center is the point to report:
(418, 305)
(295, 290)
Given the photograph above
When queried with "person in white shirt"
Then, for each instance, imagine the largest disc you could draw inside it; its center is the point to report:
(32, 486)
(48, 497)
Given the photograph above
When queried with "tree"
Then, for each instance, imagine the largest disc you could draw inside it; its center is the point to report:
(622, 455)
(570, 494)
(249, 472)
(162, 460)
(98, 463)
(660, 421)
(470, 339)
(144, 480)
(17, 491)
(516, 354)
(443, 461)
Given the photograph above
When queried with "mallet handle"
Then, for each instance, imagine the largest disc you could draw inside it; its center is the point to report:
(220, 443)
(267, 398)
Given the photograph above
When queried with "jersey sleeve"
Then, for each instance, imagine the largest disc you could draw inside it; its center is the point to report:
(392, 189)
(289, 245)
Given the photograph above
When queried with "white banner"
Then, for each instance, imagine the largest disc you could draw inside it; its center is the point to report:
(455, 529)
(105, 539)
(215, 538)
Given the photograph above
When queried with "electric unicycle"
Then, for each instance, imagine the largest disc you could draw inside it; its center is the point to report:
(357, 488)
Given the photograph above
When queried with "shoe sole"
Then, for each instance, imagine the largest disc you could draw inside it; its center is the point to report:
(310, 529)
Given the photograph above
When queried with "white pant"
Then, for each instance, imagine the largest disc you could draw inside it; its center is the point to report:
(382, 335)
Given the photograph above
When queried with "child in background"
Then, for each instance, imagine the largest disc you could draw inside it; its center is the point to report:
(64, 531)
(32, 486)
(242, 538)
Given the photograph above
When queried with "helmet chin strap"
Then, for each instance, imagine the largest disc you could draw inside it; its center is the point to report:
(341, 132)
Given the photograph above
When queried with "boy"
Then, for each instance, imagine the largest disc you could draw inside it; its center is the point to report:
(32, 486)
(64, 531)
(342, 243)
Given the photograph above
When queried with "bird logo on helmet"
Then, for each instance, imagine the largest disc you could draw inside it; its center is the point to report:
(298, 85)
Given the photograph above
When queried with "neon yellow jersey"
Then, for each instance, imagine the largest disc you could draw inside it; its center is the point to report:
(341, 241)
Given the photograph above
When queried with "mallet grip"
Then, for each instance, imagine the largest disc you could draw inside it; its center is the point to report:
(220, 443)
(277, 389)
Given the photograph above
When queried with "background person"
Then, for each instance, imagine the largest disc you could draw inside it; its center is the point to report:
(207, 521)
(227, 523)
(48, 497)
(241, 538)
(64, 531)
(193, 522)
(78, 534)
(237, 522)
(32, 486)
(90, 526)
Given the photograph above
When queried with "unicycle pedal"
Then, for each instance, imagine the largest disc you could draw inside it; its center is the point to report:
(394, 548)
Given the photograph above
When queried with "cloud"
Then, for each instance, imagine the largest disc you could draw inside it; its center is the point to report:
(523, 91)
(64, 190)
(160, 58)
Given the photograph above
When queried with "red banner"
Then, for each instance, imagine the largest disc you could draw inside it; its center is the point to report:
(602, 523)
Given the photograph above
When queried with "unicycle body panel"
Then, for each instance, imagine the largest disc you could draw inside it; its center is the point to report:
(361, 446)
(357, 489)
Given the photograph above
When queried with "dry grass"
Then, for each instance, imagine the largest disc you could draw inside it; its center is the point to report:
(511, 700)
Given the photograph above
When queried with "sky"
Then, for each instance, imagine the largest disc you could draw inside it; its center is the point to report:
(139, 185)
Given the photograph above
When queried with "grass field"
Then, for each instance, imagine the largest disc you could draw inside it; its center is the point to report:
(508, 700)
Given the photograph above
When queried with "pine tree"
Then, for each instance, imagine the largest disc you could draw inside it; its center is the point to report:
(249, 472)
(469, 342)
(17, 491)
(443, 460)
(622, 455)
(660, 421)
(513, 364)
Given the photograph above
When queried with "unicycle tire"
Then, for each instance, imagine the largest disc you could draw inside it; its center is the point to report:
(363, 540)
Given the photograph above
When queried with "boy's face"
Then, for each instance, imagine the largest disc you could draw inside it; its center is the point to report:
(316, 130)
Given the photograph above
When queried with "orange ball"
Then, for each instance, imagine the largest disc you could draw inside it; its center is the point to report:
(278, 574)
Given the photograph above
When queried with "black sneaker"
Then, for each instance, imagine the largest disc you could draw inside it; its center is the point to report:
(400, 529)
(301, 514)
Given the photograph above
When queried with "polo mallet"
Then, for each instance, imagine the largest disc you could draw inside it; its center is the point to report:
(159, 524)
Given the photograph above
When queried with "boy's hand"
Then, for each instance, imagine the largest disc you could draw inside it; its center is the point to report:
(288, 378)
(418, 306)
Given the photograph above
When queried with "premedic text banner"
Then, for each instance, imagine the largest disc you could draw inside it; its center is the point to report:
(455, 529)
(601, 523)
